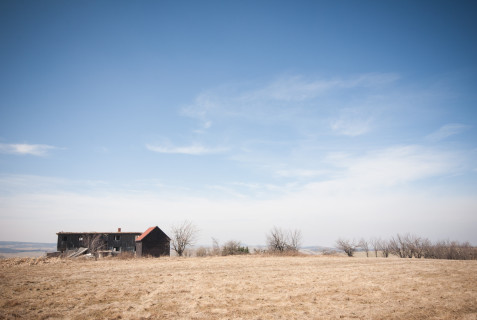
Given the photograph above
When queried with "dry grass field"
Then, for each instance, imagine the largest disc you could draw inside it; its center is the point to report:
(239, 287)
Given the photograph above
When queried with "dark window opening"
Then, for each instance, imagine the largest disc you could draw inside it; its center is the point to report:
(117, 249)
(117, 238)
(65, 238)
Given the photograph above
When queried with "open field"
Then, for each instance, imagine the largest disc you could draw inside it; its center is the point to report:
(239, 287)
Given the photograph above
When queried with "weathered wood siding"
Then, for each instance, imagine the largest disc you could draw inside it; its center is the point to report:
(155, 244)
(115, 241)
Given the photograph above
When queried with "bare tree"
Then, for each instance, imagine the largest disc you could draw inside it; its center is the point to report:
(407, 246)
(427, 248)
(364, 244)
(183, 236)
(449, 250)
(294, 240)
(276, 240)
(375, 244)
(415, 245)
(398, 246)
(279, 240)
(383, 246)
(215, 247)
(94, 243)
(348, 246)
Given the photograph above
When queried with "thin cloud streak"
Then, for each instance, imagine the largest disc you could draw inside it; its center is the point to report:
(39, 150)
(446, 131)
(351, 127)
(396, 166)
(296, 88)
(286, 99)
(300, 173)
(189, 150)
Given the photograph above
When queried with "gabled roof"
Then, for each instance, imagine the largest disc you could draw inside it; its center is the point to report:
(142, 236)
(148, 231)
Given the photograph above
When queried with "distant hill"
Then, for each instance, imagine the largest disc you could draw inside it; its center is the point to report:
(25, 249)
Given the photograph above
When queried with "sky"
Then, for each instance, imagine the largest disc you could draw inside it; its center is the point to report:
(341, 119)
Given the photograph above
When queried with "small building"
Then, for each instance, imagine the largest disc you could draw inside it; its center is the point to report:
(108, 241)
(153, 242)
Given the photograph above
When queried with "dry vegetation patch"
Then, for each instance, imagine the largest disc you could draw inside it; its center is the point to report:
(239, 287)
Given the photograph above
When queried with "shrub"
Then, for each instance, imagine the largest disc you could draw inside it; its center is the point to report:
(280, 241)
(201, 252)
(233, 247)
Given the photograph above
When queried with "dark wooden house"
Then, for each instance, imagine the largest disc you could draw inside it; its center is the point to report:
(110, 241)
(154, 242)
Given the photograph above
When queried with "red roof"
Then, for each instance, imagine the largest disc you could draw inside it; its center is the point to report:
(142, 236)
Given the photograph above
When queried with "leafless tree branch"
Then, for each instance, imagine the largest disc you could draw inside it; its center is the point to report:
(183, 236)
(279, 240)
(348, 246)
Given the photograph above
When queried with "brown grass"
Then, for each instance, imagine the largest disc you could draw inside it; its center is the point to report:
(238, 287)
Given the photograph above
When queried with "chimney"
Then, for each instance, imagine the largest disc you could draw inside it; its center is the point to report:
(119, 229)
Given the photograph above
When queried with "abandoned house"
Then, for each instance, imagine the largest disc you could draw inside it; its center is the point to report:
(153, 242)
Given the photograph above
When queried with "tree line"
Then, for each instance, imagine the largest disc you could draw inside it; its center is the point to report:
(410, 246)
(288, 241)
(279, 241)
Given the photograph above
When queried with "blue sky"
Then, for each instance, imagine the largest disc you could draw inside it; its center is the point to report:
(341, 119)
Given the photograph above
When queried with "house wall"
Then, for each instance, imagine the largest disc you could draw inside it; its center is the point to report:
(116, 241)
(155, 244)
(124, 242)
(139, 249)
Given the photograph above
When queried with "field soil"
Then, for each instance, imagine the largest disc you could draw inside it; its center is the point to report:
(238, 287)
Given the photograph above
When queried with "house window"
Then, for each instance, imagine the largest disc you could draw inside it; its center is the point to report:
(65, 238)
(117, 238)
(80, 238)
(116, 249)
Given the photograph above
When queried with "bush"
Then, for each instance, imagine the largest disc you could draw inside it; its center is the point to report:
(452, 250)
(233, 248)
(201, 252)
(281, 241)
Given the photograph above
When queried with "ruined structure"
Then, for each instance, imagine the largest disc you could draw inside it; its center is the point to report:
(153, 242)
(110, 241)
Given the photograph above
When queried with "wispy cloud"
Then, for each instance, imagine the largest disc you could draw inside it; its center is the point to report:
(300, 173)
(351, 126)
(190, 150)
(298, 88)
(446, 131)
(26, 149)
(203, 106)
(396, 165)
(286, 99)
